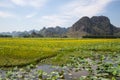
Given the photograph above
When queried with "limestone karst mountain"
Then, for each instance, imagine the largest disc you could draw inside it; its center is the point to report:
(97, 25)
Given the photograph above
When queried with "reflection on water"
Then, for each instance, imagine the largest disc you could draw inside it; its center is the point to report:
(32, 74)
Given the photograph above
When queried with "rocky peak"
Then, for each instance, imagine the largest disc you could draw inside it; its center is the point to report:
(96, 25)
(100, 19)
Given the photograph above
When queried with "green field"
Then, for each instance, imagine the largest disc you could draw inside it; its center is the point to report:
(22, 51)
(73, 55)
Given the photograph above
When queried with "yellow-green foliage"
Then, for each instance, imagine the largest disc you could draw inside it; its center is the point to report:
(19, 51)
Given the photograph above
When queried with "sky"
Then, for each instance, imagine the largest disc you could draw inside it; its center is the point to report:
(21, 15)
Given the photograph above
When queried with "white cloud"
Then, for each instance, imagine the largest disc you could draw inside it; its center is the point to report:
(32, 3)
(53, 20)
(74, 10)
(31, 15)
(6, 15)
(89, 7)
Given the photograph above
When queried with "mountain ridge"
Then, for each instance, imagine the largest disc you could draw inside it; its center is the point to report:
(85, 26)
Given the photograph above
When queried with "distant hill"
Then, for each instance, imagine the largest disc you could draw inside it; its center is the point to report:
(45, 32)
(95, 26)
(53, 32)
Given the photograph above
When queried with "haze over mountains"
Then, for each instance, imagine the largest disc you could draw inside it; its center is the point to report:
(94, 26)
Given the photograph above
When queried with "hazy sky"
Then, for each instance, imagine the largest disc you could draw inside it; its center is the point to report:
(20, 15)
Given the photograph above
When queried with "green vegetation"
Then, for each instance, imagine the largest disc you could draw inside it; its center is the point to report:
(101, 36)
(99, 57)
(5, 36)
(21, 51)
